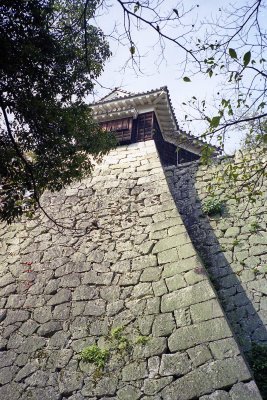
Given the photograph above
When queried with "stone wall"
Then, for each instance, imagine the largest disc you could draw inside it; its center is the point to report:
(233, 246)
(126, 278)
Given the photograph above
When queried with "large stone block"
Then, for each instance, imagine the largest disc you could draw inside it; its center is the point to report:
(153, 386)
(134, 371)
(143, 262)
(232, 231)
(168, 243)
(106, 386)
(163, 325)
(129, 392)
(129, 278)
(199, 355)
(168, 256)
(151, 274)
(204, 332)
(224, 348)
(206, 310)
(186, 251)
(70, 381)
(177, 364)
(142, 290)
(175, 282)
(192, 263)
(258, 286)
(62, 296)
(159, 288)
(245, 391)
(207, 378)
(187, 296)
(158, 226)
(154, 347)
(217, 395)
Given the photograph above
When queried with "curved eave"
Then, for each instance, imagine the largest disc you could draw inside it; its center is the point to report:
(187, 142)
(157, 101)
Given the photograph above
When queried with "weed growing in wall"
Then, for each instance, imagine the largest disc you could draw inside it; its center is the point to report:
(118, 344)
(212, 206)
(254, 226)
(94, 355)
(142, 339)
(236, 242)
(120, 341)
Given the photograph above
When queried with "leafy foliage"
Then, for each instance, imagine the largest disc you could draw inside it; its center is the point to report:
(94, 355)
(256, 136)
(212, 206)
(233, 50)
(116, 333)
(247, 172)
(50, 57)
(142, 340)
(118, 344)
(254, 226)
(121, 341)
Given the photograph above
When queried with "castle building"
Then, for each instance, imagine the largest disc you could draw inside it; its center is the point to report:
(137, 117)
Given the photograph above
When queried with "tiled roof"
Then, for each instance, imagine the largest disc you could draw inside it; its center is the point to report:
(175, 134)
(129, 95)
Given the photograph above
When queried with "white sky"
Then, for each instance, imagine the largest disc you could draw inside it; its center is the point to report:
(168, 73)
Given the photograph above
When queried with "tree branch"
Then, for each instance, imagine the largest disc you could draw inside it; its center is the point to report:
(156, 29)
(239, 121)
(28, 169)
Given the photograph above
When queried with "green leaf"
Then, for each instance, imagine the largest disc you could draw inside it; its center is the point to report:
(232, 53)
(176, 12)
(186, 79)
(210, 73)
(132, 50)
(225, 103)
(215, 121)
(247, 58)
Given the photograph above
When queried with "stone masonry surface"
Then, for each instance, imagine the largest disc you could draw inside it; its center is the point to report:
(233, 245)
(128, 280)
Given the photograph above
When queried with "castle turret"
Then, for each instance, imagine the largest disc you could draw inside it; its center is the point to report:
(138, 117)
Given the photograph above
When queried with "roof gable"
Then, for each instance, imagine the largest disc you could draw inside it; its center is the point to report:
(114, 94)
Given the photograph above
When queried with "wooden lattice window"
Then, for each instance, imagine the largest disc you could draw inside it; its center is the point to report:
(122, 128)
(145, 127)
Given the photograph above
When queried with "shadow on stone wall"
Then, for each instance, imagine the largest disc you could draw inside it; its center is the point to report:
(242, 314)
